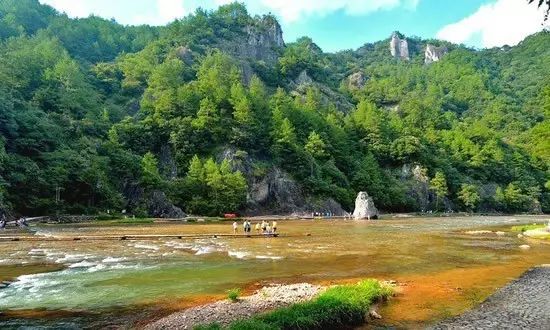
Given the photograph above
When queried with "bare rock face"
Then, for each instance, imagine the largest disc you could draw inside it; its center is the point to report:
(399, 48)
(357, 80)
(262, 39)
(433, 53)
(184, 53)
(364, 207)
(160, 207)
(303, 79)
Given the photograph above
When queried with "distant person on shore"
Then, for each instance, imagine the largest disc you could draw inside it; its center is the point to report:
(257, 228)
(235, 227)
(264, 226)
(274, 226)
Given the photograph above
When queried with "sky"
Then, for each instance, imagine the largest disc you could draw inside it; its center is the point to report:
(347, 24)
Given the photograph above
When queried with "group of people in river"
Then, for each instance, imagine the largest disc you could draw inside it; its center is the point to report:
(261, 227)
(21, 222)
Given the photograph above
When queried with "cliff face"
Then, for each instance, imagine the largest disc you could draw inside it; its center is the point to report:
(399, 48)
(433, 53)
(260, 41)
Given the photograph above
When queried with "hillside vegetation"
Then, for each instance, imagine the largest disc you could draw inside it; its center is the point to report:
(213, 113)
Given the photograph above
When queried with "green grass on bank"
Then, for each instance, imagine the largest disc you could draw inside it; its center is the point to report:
(527, 227)
(339, 306)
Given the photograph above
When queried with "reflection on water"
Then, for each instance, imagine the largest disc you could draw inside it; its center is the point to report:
(110, 276)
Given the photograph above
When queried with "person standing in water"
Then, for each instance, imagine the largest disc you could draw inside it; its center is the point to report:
(264, 226)
(274, 226)
(257, 228)
(235, 226)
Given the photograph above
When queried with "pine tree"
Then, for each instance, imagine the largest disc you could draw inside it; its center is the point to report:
(439, 185)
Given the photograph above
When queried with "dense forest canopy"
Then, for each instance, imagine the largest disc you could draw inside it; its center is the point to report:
(213, 113)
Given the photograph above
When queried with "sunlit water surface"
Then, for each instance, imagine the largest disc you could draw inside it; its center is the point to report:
(117, 282)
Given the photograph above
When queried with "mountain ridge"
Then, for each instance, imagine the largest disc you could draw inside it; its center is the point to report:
(215, 113)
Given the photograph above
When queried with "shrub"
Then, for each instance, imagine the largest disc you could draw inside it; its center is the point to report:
(233, 294)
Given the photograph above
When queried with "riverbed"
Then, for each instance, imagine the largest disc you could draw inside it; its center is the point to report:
(442, 270)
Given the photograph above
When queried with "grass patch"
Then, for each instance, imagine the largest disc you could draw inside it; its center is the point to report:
(527, 227)
(337, 307)
(234, 294)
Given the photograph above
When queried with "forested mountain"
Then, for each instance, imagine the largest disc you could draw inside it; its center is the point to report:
(214, 113)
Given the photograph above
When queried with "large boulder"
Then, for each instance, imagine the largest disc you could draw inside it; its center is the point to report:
(364, 207)
(161, 207)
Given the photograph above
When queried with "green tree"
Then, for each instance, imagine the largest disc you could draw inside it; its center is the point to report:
(150, 176)
(315, 146)
(439, 185)
(469, 196)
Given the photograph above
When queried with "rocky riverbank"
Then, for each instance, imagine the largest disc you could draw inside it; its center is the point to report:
(522, 304)
(225, 311)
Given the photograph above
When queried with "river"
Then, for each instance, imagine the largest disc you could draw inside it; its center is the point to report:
(90, 284)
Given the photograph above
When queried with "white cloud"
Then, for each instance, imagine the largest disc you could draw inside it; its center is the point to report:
(168, 10)
(164, 11)
(70, 7)
(292, 10)
(504, 22)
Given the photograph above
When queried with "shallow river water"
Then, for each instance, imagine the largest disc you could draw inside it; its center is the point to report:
(74, 284)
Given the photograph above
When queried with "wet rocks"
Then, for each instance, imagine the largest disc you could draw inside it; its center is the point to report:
(364, 207)
(522, 304)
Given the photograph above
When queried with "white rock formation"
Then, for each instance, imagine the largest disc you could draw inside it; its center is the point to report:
(364, 207)
(433, 53)
(399, 48)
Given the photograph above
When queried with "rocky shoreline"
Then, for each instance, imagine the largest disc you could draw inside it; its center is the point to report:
(522, 304)
(226, 311)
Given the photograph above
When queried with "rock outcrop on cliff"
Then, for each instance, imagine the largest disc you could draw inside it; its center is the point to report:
(271, 190)
(364, 207)
(356, 80)
(433, 53)
(399, 47)
(261, 41)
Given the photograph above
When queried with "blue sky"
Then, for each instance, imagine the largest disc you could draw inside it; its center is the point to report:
(344, 24)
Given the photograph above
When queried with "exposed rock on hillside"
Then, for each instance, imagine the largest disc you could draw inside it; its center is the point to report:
(160, 207)
(364, 207)
(357, 80)
(185, 54)
(399, 48)
(167, 164)
(271, 190)
(433, 53)
(260, 41)
(304, 81)
(418, 186)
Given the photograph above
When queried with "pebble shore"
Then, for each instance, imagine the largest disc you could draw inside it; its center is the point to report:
(225, 311)
(522, 304)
